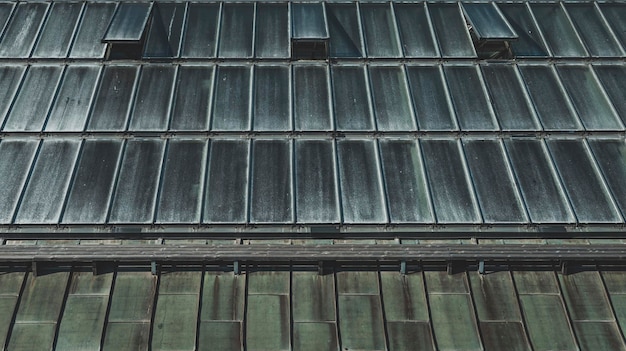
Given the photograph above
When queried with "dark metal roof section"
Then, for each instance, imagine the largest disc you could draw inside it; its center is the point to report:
(251, 175)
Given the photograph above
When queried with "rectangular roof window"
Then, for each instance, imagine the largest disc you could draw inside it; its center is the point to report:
(126, 32)
(487, 22)
(529, 42)
(309, 31)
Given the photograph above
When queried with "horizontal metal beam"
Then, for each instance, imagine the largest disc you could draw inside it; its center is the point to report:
(310, 253)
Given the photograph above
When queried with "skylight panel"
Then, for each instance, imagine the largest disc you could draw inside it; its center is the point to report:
(344, 31)
(21, 31)
(57, 33)
(593, 30)
(487, 22)
(451, 31)
(530, 42)
(309, 31)
(272, 31)
(126, 32)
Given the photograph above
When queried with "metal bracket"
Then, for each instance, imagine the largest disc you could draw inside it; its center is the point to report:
(481, 267)
(236, 268)
(154, 268)
(403, 267)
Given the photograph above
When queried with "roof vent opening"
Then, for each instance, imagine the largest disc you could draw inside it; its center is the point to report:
(309, 32)
(126, 34)
(491, 32)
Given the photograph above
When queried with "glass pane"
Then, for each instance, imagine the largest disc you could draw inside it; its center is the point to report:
(316, 185)
(493, 181)
(201, 30)
(547, 323)
(10, 78)
(96, 19)
(137, 182)
(223, 297)
(529, 41)
(361, 187)
(311, 100)
(182, 184)
(451, 189)
(165, 30)
(271, 188)
(16, 157)
(558, 30)
(227, 185)
(82, 323)
(72, 103)
(129, 22)
(263, 333)
(58, 31)
(495, 286)
(453, 322)
(231, 110)
(112, 102)
(236, 30)
(615, 14)
(21, 31)
(452, 34)
(415, 31)
(272, 31)
(368, 333)
(468, 96)
(508, 96)
(272, 108)
(6, 9)
(405, 182)
(152, 100)
(551, 103)
(392, 106)
(133, 296)
(93, 184)
(538, 182)
(379, 28)
(30, 108)
(610, 157)
(487, 21)
(613, 79)
(176, 317)
(192, 98)
(308, 21)
(345, 33)
(594, 109)
(352, 105)
(313, 297)
(591, 27)
(42, 298)
(43, 197)
(404, 297)
(430, 98)
(582, 182)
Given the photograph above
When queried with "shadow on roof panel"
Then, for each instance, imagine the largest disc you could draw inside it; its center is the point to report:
(272, 31)
(56, 35)
(16, 157)
(73, 101)
(236, 32)
(30, 108)
(90, 195)
(529, 42)
(22, 30)
(200, 38)
(165, 31)
(416, 34)
(93, 26)
(129, 22)
(558, 30)
(451, 31)
(379, 29)
(344, 30)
